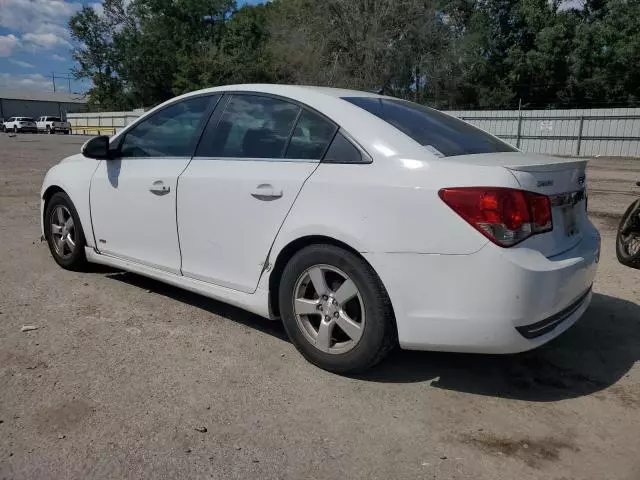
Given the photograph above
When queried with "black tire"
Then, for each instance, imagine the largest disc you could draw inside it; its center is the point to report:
(621, 251)
(49, 132)
(379, 335)
(77, 260)
(15, 129)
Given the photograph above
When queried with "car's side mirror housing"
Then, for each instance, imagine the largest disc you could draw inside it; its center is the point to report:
(97, 147)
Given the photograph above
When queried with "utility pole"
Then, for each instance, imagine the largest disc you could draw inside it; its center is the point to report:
(53, 77)
(69, 78)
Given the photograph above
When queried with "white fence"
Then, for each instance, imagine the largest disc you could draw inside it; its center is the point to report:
(104, 123)
(607, 132)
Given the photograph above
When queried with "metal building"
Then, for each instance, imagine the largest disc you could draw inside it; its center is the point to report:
(36, 104)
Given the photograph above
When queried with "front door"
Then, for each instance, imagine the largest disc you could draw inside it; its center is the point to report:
(133, 196)
(253, 159)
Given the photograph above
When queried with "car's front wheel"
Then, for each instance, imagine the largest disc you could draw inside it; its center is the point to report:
(336, 310)
(64, 233)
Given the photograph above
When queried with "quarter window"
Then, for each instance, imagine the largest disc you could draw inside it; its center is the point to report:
(252, 127)
(343, 151)
(171, 132)
(311, 137)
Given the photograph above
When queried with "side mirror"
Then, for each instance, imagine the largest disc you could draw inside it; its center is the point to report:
(97, 147)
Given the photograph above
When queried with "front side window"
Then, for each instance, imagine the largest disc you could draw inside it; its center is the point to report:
(171, 132)
(441, 134)
(311, 137)
(252, 127)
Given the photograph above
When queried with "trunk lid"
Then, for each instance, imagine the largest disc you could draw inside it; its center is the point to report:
(562, 179)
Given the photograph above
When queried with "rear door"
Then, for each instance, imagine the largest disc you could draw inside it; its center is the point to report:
(252, 161)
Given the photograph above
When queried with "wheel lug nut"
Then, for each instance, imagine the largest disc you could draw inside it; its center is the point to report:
(319, 307)
(335, 302)
(327, 318)
(336, 314)
(324, 297)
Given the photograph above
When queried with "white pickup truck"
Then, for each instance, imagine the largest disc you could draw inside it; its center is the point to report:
(53, 125)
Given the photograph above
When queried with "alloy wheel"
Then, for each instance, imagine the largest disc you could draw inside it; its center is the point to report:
(329, 309)
(63, 231)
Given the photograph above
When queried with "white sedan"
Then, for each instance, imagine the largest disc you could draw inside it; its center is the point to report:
(362, 221)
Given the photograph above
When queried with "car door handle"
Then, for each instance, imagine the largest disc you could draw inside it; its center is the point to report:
(159, 188)
(266, 192)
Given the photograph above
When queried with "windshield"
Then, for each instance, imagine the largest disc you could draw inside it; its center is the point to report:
(25, 119)
(441, 134)
(53, 119)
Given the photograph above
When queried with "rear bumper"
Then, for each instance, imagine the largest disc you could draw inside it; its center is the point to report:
(493, 301)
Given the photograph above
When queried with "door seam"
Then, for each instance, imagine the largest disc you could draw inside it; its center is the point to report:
(265, 264)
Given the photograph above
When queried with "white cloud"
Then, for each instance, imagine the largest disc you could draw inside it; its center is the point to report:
(45, 40)
(98, 8)
(28, 15)
(7, 44)
(20, 63)
(572, 4)
(34, 82)
(42, 23)
(59, 58)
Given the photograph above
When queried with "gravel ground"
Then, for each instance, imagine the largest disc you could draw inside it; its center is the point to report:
(122, 371)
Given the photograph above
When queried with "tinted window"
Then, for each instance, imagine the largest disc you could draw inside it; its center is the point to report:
(53, 119)
(171, 132)
(343, 151)
(443, 135)
(252, 127)
(311, 137)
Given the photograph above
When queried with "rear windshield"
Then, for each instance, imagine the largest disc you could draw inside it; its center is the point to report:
(53, 119)
(25, 119)
(441, 134)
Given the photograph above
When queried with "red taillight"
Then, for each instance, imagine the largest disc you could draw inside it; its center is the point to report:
(503, 215)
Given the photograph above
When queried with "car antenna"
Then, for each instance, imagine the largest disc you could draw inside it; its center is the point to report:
(385, 85)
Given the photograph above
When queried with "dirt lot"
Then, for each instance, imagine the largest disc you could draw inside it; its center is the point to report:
(122, 369)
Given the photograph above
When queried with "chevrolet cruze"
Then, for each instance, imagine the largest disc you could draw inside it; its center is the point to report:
(360, 220)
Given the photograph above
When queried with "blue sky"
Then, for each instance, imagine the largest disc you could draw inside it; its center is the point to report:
(35, 41)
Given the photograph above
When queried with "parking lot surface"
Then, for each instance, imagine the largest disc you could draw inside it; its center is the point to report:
(123, 372)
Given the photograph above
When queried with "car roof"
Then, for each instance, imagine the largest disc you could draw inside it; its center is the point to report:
(287, 90)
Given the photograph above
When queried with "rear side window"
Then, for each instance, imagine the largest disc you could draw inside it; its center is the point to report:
(252, 126)
(311, 137)
(442, 134)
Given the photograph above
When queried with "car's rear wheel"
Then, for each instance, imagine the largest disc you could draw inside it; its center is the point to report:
(15, 129)
(49, 131)
(336, 310)
(64, 233)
